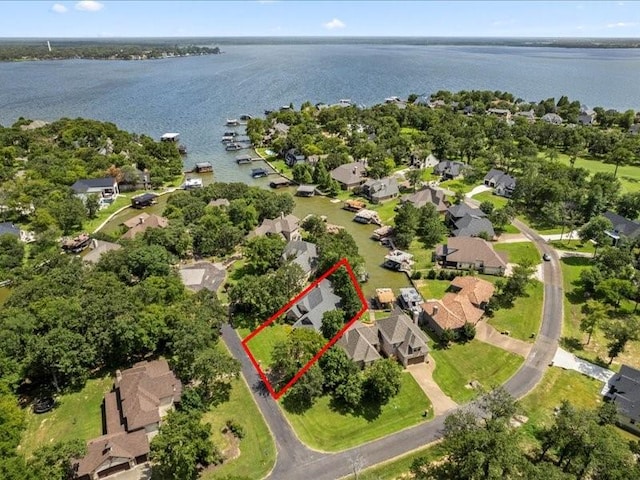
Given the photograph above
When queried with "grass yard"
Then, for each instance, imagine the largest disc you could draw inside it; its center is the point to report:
(421, 255)
(497, 200)
(520, 252)
(628, 175)
(573, 337)
(76, 416)
(537, 228)
(121, 201)
(257, 449)
(399, 468)
(509, 228)
(325, 428)
(281, 167)
(386, 211)
(524, 318)
(457, 186)
(262, 344)
(574, 246)
(432, 288)
(460, 364)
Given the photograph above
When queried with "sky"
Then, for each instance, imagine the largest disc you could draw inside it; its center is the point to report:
(107, 18)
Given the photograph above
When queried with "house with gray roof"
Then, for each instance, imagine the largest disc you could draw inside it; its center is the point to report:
(379, 190)
(529, 115)
(622, 227)
(503, 183)
(98, 248)
(429, 162)
(427, 195)
(309, 310)
(552, 118)
(624, 392)
(105, 188)
(304, 254)
(587, 116)
(467, 221)
(449, 169)
(470, 253)
(349, 175)
(403, 339)
(293, 157)
(361, 344)
(8, 228)
(288, 226)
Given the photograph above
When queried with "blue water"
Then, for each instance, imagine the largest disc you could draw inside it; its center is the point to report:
(194, 95)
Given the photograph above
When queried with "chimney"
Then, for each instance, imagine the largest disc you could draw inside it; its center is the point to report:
(355, 170)
(416, 316)
(435, 309)
(118, 375)
(140, 221)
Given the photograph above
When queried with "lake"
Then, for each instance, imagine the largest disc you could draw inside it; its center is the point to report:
(195, 95)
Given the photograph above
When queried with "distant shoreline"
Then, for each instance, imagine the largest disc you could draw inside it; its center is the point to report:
(557, 42)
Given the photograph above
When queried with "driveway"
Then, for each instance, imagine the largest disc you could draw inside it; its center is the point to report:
(423, 375)
(477, 190)
(569, 361)
(488, 334)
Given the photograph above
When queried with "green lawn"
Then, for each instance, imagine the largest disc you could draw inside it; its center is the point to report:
(386, 211)
(457, 185)
(262, 344)
(121, 201)
(324, 428)
(433, 288)
(524, 318)
(519, 252)
(497, 200)
(540, 230)
(398, 468)
(574, 246)
(421, 255)
(460, 364)
(509, 228)
(628, 175)
(77, 416)
(257, 449)
(281, 167)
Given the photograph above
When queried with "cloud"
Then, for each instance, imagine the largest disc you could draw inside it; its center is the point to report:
(89, 6)
(59, 8)
(334, 24)
(622, 24)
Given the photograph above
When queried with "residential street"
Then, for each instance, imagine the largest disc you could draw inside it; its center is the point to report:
(296, 461)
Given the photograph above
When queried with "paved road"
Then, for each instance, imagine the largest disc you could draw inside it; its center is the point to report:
(296, 461)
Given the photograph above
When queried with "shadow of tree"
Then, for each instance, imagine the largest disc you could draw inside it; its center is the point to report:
(366, 409)
(571, 343)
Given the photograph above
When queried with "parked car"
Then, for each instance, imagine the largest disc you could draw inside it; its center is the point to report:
(43, 405)
(546, 257)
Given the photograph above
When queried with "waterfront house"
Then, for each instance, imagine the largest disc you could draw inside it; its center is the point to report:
(471, 253)
(552, 118)
(398, 260)
(401, 338)
(287, 226)
(449, 169)
(309, 310)
(349, 175)
(106, 188)
(379, 190)
(624, 392)
(431, 195)
(132, 415)
(304, 254)
(500, 113)
(202, 276)
(97, 249)
(529, 115)
(503, 183)
(622, 227)
(466, 221)
(141, 223)
(144, 200)
(293, 157)
(463, 304)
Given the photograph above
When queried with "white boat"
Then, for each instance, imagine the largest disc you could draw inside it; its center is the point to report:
(191, 183)
(232, 122)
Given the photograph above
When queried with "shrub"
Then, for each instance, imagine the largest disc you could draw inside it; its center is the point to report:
(431, 274)
(417, 275)
(442, 275)
(235, 428)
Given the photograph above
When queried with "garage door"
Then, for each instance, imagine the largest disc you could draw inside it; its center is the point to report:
(115, 469)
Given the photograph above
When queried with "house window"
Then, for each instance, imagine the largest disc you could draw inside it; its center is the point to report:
(632, 421)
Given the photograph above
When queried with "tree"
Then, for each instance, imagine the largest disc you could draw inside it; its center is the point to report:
(92, 204)
(406, 224)
(594, 314)
(487, 207)
(332, 323)
(596, 230)
(11, 252)
(382, 380)
(629, 205)
(414, 176)
(264, 253)
(69, 212)
(613, 290)
(302, 173)
(182, 444)
(55, 461)
(213, 371)
(306, 390)
(468, 332)
(430, 228)
(619, 333)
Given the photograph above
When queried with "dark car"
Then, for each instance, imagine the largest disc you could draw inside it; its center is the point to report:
(546, 257)
(43, 405)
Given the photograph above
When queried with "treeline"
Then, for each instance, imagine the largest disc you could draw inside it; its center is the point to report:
(100, 51)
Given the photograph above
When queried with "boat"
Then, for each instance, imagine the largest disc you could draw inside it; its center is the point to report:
(259, 172)
(233, 147)
(227, 139)
(230, 134)
(182, 149)
(232, 122)
(192, 183)
(245, 118)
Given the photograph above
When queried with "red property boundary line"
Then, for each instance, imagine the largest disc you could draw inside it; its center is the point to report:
(276, 395)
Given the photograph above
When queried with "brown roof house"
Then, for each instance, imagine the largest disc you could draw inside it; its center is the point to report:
(98, 248)
(141, 397)
(471, 253)
(464, 304)
(288, 226)
(349, 175)
(140, 224)
(401, 338)
(427, 195)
